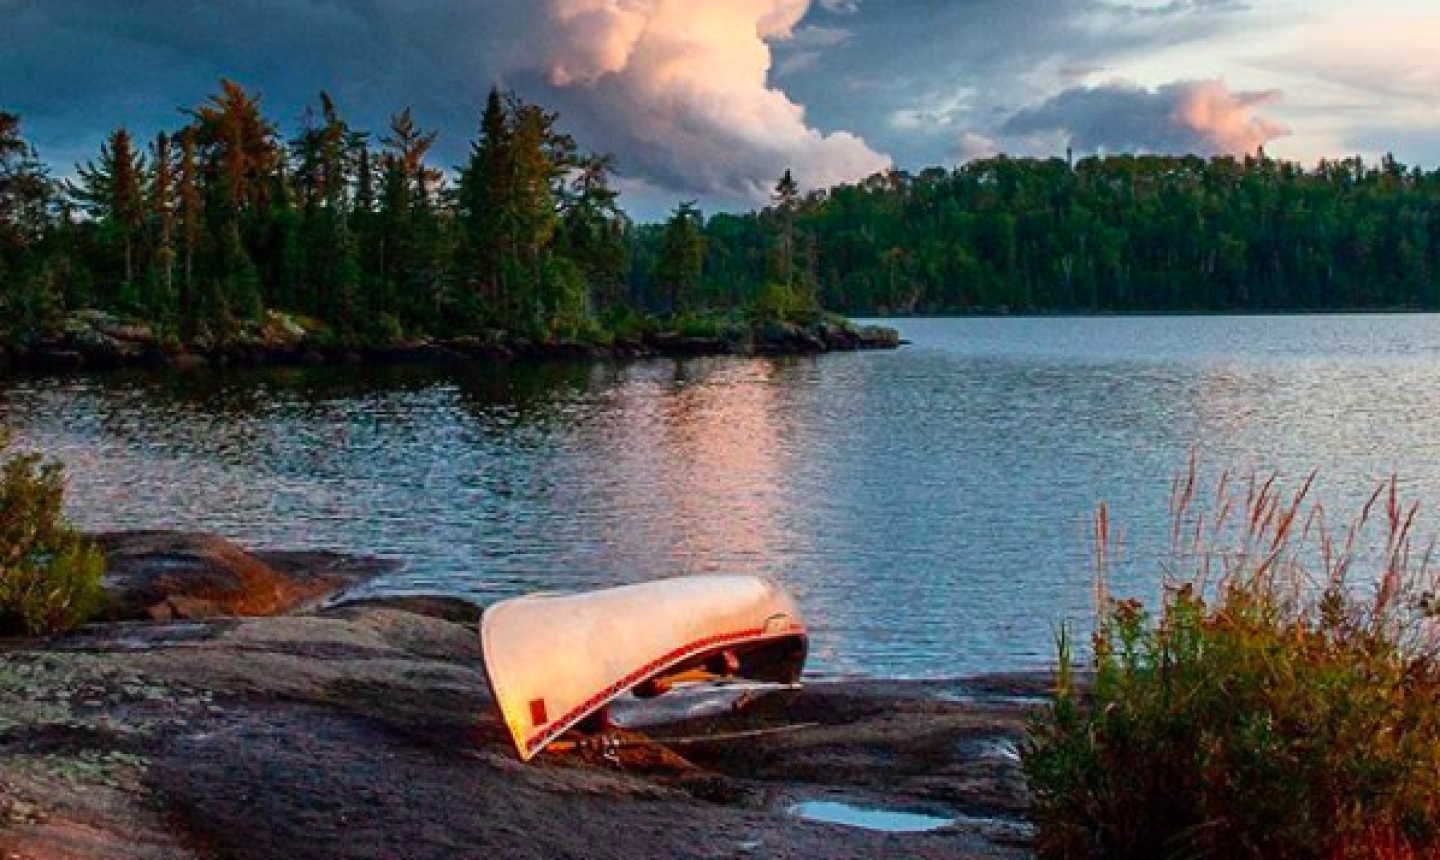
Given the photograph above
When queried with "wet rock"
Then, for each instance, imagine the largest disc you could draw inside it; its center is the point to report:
(170, 575)
(775, 336)
(878, 337)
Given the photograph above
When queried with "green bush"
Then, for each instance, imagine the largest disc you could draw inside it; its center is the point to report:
(1273, 707)
(780, 303)
(698, 326)
(49, 575)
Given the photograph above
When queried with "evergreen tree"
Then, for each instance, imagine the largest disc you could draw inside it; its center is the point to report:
(682, 258)
(161, 206)
(241, 165)
(190, 222)
(410, 190)
(784, 199)
(325, 156)
(596, 232)
(485, 183)
(113, 191)
(28, 294)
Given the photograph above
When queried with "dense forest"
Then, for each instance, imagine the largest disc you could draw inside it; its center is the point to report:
(1112, 234)
(211, 227)
(206, 230)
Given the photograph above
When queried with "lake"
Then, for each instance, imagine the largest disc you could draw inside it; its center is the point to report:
(929, 507)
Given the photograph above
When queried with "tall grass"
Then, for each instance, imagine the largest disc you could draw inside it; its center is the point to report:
(1281, 701)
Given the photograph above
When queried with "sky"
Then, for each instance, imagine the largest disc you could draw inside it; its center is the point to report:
(712, 99)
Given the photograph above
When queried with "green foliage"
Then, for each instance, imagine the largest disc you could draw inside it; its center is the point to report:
(780, 303)
(1113, 234)
(681, 262)
(1269, 710)
(49, 575)
(691, 325)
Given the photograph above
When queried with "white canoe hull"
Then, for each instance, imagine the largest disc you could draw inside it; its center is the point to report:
(555, 660)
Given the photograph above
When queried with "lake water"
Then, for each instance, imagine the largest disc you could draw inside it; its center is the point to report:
(929, 507)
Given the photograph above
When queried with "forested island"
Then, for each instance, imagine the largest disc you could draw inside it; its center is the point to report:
(226, 237)
(223, 239)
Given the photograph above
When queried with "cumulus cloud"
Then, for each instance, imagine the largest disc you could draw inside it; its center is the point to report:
(1187, 117)
(678, 89)
(684, 92)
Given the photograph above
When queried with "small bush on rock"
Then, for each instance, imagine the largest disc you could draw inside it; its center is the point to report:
(49, 575)
(1283, 701)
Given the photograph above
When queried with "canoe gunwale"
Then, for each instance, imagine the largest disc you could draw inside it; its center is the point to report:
(532, 746)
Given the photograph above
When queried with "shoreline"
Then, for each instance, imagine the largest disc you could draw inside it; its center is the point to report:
(1083, 315)
(93, 341)
(366, 730)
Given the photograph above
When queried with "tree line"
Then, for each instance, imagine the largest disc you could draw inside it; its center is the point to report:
(1106, 234)
(203, 229)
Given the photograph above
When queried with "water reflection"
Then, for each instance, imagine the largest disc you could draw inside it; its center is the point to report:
(929, 507)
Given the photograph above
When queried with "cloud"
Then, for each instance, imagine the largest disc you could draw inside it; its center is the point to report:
(974, 147)
(681, 88)
(678, 89)
(1185, 117)
(918, 74)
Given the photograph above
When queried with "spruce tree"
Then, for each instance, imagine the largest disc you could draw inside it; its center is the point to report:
(784, 199)
(161, 209)
(112, 190)
(682, 258)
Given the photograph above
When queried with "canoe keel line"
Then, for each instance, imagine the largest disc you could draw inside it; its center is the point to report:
(556, 662)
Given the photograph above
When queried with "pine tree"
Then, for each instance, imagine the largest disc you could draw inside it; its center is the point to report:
(161, 205)
(596, 232)
(113, 191)
(325, 154)
(485, 189)
(785, 198)
(238, 148)
(682, 258)
(241, 164)
(408, 200)
(26, 197)
(190, 221)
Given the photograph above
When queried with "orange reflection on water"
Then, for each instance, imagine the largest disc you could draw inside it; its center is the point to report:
(717, 468)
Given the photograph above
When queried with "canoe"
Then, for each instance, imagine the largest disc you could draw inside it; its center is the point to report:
(555, 661)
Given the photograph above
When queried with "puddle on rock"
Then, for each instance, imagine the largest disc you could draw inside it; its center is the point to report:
(879, 820)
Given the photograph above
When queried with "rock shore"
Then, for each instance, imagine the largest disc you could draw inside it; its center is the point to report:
(366, 730)
(92, 340)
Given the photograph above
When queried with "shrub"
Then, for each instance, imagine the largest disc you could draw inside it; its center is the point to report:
(780, 303)
(49, 575)
(698, 326)
(1273, 707)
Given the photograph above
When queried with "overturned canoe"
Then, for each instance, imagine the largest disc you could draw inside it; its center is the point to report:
(556, 660)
